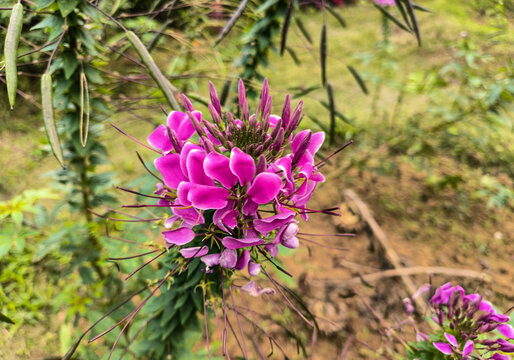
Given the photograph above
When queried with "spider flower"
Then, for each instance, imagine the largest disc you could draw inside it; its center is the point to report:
(239, 181)
(469, 322)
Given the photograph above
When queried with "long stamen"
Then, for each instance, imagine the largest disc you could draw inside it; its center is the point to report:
(122, 220)
(138, 193)
(207, 344)
(334, 153)
(134, 139)
(142, 266)
(133, 256)
(148, 170)
(245, 352)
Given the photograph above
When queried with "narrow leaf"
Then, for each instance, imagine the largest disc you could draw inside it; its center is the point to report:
(5, 319)
(303, 30)
(420, 8)
(224, 92)
(323, 54)
(48, 116)
(11, 49)
(392, 18)
(338, 114)
(293, 55)
(331, 104)
(322, 126)
(303, 91)
(338, 17)
(413, 20)
(230, 24)
(152, 68)
(285, 27)
(358, 78)
(400, 7)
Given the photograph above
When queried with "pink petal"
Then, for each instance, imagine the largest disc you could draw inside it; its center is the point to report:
(179, 236)
(194, 251)
(182, 192)
(233, 243)
(223, 214)
(253, 268)
(194, 164)
(208, 197)
(468, 348)
(451, 339)
(242, 166)
(265, 187)
(217, 167)
(211, 259)
(169, 167)
(228, 258)
(250, 207)
(316, 142)
(291, 243)
(180, 123)
(506, 330)
(298, 139)
(282, 167)
(264, 226)
(272, 249)
(443, 347)
(188, 147)
(190, 215)
(159, 139)
(255, 290)
(243, 260)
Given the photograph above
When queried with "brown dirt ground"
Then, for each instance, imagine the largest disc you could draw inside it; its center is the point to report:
(455, 243)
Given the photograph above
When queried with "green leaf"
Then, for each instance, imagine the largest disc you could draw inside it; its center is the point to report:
(54, 23)
(70, 63)
(338, 17)
(323, 54)
(67, 6)
(4, 249)
(44, 3)
(358, 78)
(86, 275)
(267, 5)
(392, 18)
(5, 319)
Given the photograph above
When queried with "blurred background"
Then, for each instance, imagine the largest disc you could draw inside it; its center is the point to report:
(425, 95)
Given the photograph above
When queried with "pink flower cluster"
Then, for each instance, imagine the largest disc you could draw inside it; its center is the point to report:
(235, 185)
(466, 320)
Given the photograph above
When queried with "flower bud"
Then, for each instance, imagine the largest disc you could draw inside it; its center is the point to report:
(214, 98)
(187, 103)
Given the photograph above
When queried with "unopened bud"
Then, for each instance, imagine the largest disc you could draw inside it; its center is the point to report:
(286, 111)
(215, 100)
(187, 103)
(302, 148)
(261, 164)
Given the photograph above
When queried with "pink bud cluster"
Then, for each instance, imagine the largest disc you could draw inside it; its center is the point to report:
(235, 185)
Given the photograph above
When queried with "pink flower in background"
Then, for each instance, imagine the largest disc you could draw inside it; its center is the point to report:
(469, 322)
(385, 2)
